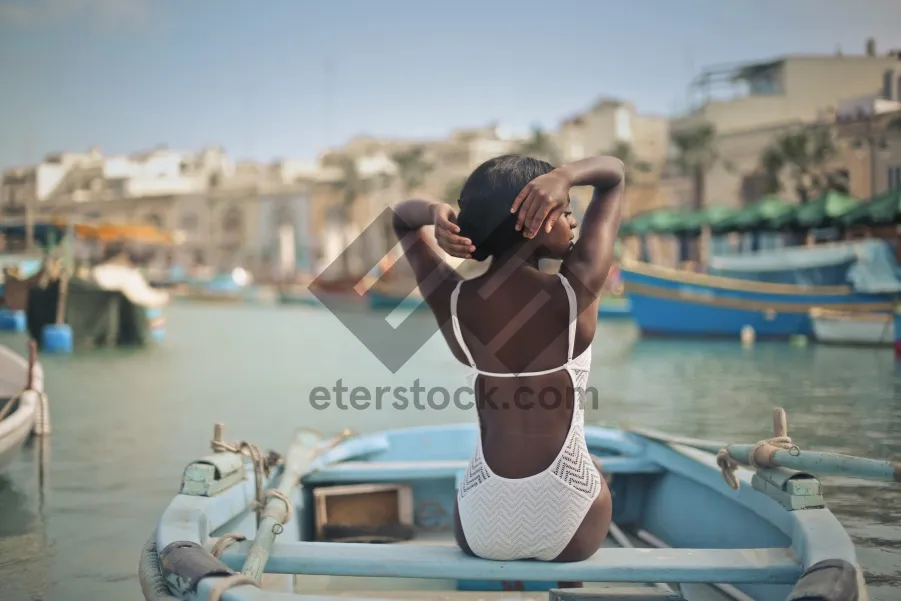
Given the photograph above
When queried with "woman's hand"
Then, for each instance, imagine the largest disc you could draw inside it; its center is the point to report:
(446, 231)
(544, 198)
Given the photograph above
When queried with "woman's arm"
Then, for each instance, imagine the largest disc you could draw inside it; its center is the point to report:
(547, 197)
(591, 257)
(410, 216)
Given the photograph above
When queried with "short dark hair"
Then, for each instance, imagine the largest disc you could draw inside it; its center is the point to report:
(486, 198)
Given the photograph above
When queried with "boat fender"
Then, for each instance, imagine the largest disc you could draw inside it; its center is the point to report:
(185, 563)
(828, 580)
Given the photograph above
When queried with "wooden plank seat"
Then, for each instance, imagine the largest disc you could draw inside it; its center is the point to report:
(771, 566)
(403, 471)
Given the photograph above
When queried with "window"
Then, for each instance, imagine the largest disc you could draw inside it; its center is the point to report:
(894, 177)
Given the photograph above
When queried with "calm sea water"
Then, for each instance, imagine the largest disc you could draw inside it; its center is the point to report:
(126, 424)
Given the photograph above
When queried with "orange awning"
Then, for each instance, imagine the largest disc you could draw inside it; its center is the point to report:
(109, 232)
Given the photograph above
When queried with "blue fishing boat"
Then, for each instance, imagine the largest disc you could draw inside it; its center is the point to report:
(898, 333)
(612, 307)
(386, 301)
(302, 296)
(771, 291)
(690, 524)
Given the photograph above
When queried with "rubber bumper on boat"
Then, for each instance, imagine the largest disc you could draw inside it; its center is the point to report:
(190, 563)
(829, 580)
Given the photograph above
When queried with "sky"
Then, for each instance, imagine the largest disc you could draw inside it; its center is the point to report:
(288, 78)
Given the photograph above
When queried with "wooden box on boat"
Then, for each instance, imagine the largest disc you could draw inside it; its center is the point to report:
(362, 505)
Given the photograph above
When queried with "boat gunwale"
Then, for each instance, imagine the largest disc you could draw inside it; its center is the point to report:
(26, 411)
(828, 314)
(680, 276)
(810, 531)
(744, 304)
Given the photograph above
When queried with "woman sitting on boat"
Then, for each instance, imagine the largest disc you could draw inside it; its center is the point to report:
(531, 490)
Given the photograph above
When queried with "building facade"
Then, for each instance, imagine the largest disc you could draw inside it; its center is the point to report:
(774, 97)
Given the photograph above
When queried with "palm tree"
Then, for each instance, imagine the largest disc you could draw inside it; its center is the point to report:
(696, 154)
(350, 186)
(412, 167)
(453, 189)
(541, 146)
(624, 152)
(805, 154)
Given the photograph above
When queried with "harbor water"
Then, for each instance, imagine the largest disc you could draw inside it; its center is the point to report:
(75, 510)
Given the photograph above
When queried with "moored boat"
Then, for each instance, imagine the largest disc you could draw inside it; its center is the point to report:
(854, 329)
(386, 300)
(898, 333)
(297, 527)
(771, 291)
(613, 307)
(23, 404)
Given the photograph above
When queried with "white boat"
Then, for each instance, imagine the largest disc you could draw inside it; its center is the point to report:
(23, 407)
(852, 328)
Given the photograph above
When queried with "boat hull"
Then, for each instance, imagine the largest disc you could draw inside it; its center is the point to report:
(742, 537)
(850, 330)
(383, 302)
(17, 426)
(614, 308)
(671, 303)
(898, 334)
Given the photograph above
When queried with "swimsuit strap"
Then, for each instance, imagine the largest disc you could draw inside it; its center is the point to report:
(573, 314)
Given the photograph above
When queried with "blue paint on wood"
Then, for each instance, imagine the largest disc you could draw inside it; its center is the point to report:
(674, 306)
(741, 537)
(607, 565)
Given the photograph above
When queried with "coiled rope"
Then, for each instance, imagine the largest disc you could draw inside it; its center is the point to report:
(762, 453)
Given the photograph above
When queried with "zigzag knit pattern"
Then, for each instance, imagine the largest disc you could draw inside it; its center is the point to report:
(535, 517)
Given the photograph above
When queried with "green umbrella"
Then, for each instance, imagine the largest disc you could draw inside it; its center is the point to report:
(657, 221)
(768, 213)
(882, 208)
(825, 210)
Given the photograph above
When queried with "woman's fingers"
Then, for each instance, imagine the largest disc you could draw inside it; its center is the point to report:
(538, 218)
(454, 244)
(537, 211)
(524, 209)
(552, 218)
(521, 198)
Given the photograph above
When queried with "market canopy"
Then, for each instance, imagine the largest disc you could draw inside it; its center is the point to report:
(881, 209)
(825, 210)
(657, 221)
(768, 213)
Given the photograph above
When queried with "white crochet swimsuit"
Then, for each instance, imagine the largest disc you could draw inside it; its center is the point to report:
(534, 517)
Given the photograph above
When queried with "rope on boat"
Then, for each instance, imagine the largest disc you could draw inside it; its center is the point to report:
(150, 574)
(761, 454)
(225, 541)
(262, 466)
(230, 582)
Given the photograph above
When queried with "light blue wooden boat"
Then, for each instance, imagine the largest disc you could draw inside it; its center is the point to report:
(680, 532)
